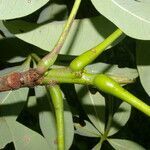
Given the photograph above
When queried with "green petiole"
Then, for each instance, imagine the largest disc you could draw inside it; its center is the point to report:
(57, 100)
(86, 58)
(108, 85)
(50, 58)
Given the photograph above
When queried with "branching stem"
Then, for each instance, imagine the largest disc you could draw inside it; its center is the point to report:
(66, 75)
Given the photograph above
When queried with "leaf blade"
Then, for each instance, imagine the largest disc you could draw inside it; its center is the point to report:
(94, 106)
(91, 29)
(120, 118)
(129, 16)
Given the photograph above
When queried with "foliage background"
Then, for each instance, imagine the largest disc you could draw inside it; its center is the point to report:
(17, 41)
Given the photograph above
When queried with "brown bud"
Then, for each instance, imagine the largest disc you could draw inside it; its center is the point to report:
(13, 80)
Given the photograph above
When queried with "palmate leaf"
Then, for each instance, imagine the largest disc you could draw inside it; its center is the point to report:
(17, 8)
(94, 30)
(94, 104)
(143, 63)
(47, 120)
(123, 144)
(131, 16)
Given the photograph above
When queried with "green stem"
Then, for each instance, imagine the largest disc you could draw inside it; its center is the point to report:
(109, 86)
(66, 75)
(50, 58)
(57, 100)
(90, 55)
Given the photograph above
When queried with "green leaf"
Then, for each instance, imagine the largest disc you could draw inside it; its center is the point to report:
(130, 16)
(47, 120)
(120, 118)
(87, 130)
(19, 8)
(53, 11)
(84, 34)
(122, 144)
(143, 63)
(94, 106)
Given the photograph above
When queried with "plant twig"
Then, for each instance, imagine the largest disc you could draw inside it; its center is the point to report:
(50, 58)
(65, 75)
(31, 78)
